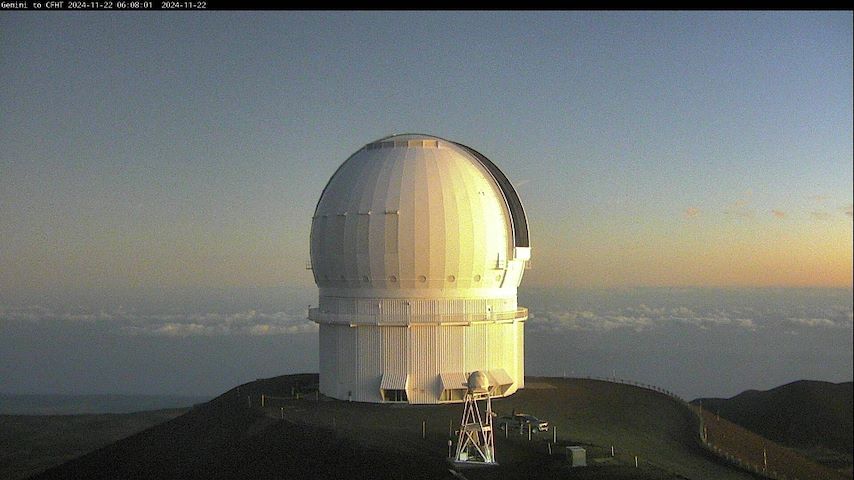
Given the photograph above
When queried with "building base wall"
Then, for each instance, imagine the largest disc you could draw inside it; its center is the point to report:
(373, 363)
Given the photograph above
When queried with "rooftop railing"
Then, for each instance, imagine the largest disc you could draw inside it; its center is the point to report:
(405, 320)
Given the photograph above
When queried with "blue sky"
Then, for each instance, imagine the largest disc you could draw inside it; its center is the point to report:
(178, 149)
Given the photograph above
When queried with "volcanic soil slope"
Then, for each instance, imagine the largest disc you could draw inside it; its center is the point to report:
(282, 428)
(811, 416)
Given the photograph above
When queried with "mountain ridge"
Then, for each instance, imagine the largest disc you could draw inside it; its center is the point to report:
(80, 404)
(280, 427)
(812, 416)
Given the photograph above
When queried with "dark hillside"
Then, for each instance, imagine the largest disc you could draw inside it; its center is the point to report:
(224, 439)
(811, 416)
(57, 404)
(281, 428)
(31, 443)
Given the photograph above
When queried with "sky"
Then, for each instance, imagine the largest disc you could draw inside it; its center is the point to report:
(168, 163)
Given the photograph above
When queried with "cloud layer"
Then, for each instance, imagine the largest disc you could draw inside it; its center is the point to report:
(571, 311)
(643, 318)
(248, 322)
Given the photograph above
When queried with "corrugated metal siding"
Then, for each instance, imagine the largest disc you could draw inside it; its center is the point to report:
(451, 348)
(324, 358)
(328, 359)
(348, 361)
(395, 309)
(476, 348)
(520, 354)
(423, 365)
(394, 348)
(354, 359)
(508, 363)
(370, 364)
(399, 310)
(496, 344)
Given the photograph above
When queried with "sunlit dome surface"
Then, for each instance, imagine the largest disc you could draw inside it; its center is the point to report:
(416, 212)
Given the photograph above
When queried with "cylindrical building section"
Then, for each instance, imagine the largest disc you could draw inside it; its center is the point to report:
(418, 245)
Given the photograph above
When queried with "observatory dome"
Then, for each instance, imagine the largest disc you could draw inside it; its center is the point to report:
(413, 215)
(418, 245)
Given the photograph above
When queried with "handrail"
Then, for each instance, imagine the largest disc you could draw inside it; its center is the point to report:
(404, 319)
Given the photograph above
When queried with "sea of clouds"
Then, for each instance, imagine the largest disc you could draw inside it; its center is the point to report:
(644, 317)
(551, 311)
(697, 342)
(122, 321)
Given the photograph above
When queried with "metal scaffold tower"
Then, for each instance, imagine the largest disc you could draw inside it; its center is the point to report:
(476, 443)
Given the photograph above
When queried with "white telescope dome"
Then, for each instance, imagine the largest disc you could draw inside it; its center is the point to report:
(418, 245)
(417, 215)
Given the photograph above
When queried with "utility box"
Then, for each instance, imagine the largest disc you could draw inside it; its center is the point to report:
(576, 456)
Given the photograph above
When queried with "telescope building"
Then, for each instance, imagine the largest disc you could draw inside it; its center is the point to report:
(418, 245)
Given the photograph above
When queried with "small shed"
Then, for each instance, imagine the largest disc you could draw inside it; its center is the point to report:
(576, 456)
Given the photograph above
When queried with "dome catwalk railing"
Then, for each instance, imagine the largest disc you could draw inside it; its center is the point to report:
(405, 320)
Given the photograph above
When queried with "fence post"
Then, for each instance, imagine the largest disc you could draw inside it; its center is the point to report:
(765, 458)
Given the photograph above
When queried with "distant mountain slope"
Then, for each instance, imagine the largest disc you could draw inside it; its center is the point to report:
(32, 443)
(59, 404)
(801, 414)
(756, 453)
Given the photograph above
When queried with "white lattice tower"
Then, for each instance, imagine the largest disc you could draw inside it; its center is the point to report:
(476, 443)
